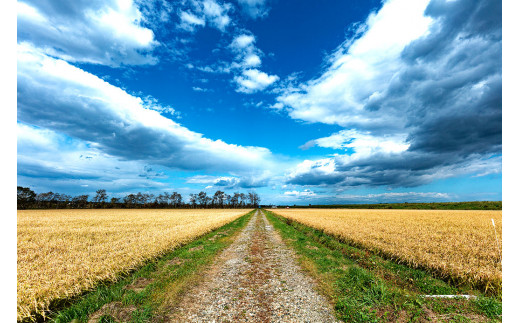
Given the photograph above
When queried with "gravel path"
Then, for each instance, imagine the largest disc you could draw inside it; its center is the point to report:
(256, 279)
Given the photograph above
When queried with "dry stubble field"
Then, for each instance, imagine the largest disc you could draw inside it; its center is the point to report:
(458, 244)
(64, 252)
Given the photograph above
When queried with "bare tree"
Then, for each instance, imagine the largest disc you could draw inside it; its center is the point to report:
(24, 197)
(234, 200)
(218, 198)
(44, 200)
(193, 200)
(80, 201)
(162, 199)
(203, 199)
(100, 197)
(114, 201)
(130, 200)
(243, 199)
(254, 199)
(176, 199)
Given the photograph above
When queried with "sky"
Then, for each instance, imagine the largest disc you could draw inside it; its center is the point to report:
(302, 102)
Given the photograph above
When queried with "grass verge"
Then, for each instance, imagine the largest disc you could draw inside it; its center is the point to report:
(140, 295)
(365, 287)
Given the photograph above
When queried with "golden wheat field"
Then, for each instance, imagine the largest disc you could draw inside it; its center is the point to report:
(459, 244)
(64, 252)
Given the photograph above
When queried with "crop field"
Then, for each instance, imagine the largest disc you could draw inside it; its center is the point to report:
(62, 253)
(457, 244)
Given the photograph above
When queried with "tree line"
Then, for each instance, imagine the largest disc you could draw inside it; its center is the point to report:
(28, 199)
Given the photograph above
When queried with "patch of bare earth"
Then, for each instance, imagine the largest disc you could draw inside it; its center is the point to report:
(139, 284)
(116, 310)
(256, 279)
(175, 262)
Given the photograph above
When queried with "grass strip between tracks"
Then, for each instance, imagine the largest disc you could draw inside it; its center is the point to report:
(364, 287)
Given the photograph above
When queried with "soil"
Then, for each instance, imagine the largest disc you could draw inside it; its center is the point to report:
(256, 279)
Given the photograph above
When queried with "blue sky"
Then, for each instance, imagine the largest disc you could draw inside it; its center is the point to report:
(348, 102)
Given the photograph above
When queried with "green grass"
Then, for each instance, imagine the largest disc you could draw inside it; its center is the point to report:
(477, 205)
(365, 287)
(167, 277)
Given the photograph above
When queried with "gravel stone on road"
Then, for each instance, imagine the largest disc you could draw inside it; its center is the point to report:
(255, 279)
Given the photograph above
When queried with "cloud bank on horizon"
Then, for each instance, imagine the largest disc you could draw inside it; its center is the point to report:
(408, 105)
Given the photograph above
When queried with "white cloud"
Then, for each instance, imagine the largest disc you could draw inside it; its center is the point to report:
(210, 12)
(107, 33)
(245, 65)
(199, 89)
(409, 96)
(359, 70)
(225, 181)
(232, 182)
(252, 60)
(363, 144)
(48, 160)
(190, 21)
(253, 80)
(217, 13)
(254, 8)
(56, 95)
(300, 194)
(242, 42)
(248, 78)
(321, 170)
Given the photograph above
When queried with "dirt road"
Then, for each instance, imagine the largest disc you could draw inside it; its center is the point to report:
(256, 279)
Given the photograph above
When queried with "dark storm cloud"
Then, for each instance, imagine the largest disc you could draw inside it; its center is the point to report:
(459, 106)
(34, 170)
(53, 94)
(253, 182)
(408, 169)
(447, 94)
(244, 182)
(316, 178)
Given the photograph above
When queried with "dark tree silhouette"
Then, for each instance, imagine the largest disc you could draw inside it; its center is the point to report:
(25, 197)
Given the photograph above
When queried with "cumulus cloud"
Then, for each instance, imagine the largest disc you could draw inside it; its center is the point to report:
(300, 194)
(58, 96)
(230, 182)
(249, 79)
(360, 69)
(408, 169)
(254, 8)
(245, 65)
(246, 53)
(253, 80)
(362, 144)
(416, 100)
(97, 32)
(48, 160)
(217, 13)
(212, 12)
(243, 41)
(190, 21)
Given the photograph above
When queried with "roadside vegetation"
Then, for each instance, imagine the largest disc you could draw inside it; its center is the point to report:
(365, 287)
(462, 246)
(476, 205)
(151, 291)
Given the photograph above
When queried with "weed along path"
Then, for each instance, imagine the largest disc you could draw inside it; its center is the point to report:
(256, 279)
